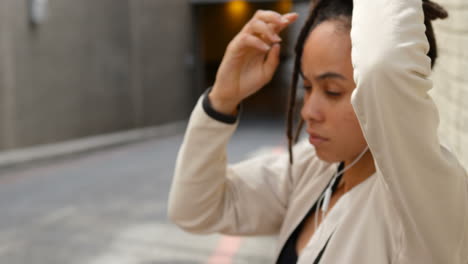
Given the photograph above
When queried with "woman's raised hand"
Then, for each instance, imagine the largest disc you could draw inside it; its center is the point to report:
(250, 60)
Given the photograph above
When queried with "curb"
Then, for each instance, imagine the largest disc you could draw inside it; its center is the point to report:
(17, 157)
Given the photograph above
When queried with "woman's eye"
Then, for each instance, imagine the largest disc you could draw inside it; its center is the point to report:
(307, 88)
(334, 94)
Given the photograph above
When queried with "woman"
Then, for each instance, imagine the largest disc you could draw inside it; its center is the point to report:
(373, 184)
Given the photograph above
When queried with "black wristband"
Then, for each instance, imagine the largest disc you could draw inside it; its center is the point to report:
(209, 110)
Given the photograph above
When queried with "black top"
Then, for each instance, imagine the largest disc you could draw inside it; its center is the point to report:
(288, 254)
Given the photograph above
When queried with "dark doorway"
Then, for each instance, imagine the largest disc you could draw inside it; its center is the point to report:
(215, 24)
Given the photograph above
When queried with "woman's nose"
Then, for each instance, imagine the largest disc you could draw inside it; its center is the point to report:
(313, 108)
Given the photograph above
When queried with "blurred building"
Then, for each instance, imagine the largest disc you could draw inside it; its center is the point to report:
(71, 69)
(98, 66)
(451, 77)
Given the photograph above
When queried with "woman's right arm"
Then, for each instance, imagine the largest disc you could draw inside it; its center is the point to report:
(207, 195)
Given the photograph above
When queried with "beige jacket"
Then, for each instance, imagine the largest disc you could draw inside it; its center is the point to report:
(414, 209)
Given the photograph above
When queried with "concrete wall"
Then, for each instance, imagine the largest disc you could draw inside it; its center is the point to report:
(93, 67)
(162, 54)
(72, 71)
(6, 79)
(451, 79)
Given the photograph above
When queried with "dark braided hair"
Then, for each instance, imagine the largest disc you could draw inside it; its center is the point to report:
(341, 11)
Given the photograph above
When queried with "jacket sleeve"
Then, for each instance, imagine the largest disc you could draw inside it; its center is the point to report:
(399, 119)
(207, 195)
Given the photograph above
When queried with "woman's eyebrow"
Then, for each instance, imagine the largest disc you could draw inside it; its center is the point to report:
(326, 75)
(330, 75)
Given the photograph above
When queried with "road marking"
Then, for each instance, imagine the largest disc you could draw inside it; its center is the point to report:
(227, 248)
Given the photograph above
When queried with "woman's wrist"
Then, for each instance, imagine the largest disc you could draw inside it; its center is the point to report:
(224, 106)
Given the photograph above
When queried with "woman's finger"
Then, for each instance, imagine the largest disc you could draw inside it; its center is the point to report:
(272, 60)
(290, 18)
(262, 29)
(251, 41)
(272, 17)
(269, 17)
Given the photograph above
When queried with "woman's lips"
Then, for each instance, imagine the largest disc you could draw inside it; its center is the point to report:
(316, 140)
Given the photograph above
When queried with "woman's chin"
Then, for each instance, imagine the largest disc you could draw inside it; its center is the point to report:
(326, 156)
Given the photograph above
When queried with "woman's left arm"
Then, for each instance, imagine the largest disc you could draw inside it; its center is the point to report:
(400, 121)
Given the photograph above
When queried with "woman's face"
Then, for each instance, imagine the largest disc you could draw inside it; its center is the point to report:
(328, 84)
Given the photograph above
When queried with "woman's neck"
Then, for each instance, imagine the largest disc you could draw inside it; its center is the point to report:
(358, 173)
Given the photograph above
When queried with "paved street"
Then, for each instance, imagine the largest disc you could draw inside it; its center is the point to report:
(110, 207)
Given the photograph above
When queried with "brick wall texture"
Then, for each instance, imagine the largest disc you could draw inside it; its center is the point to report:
(451, 79)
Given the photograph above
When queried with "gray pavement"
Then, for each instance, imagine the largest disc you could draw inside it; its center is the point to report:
(109, 206)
